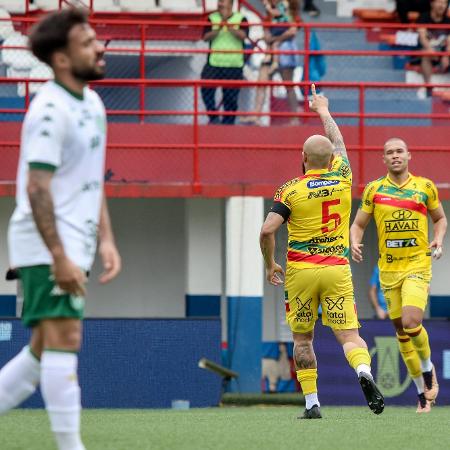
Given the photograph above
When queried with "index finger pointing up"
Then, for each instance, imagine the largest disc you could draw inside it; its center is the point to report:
(313, 89)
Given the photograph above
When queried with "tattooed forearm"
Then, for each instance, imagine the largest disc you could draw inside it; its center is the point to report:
(43, 211)
(304, 356)
(333, 134)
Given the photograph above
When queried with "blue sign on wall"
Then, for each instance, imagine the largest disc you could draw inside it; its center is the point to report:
(337, 383)
(137, 363)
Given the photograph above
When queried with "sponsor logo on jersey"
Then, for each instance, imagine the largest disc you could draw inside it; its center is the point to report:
(394, 259)
(332, 250)
(402, 214)
(314, 184)
(324, 239)
(320, 193)
(401, 243)
(303, 312)
(335, 310)
(401, 222)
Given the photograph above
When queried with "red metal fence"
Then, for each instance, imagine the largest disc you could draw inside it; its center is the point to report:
(171, 151)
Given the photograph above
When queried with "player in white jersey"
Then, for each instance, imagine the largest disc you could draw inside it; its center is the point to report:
(61, 208)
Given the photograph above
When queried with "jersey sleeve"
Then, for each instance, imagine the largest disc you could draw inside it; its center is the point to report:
(341, 165)
(281, 203)
(432, 195)
(366, 204)
(43, 136)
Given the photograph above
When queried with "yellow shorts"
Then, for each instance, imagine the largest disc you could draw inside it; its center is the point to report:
(329, 286)
(405, 289)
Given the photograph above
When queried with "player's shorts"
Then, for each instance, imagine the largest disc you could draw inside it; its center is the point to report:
(329, 286)
(405, 289)
(43, 299)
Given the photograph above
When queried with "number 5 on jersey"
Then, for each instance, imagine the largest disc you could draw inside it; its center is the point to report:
(327, 215)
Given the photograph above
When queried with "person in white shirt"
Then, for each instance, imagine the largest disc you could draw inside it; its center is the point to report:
(60, 210)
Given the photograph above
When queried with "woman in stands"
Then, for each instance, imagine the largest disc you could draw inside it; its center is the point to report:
(285, 41)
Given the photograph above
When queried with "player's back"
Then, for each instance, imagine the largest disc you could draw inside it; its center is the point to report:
(319, 218)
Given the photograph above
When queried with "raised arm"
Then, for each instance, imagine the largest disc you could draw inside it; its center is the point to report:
(68, 276)
(357, 229)
(267, 243)
(319, 104)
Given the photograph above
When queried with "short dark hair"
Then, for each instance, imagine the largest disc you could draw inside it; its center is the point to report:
(52, 32)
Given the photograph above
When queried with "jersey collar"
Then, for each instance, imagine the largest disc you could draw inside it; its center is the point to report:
(69, 91)
(400, 186)
(313, 172)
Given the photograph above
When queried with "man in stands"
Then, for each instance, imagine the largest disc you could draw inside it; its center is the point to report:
(61, 208)
(317, 207)
(226, 36)
(434, 40)
(400, 203)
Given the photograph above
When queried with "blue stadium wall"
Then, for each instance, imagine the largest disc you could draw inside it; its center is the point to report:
(137, 363)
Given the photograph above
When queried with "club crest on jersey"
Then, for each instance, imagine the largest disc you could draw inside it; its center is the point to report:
(416, 197)
(314, 184)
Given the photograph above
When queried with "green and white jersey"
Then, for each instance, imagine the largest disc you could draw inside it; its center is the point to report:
(66, 133)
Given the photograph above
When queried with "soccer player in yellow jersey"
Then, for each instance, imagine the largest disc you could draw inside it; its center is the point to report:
(400, 203)
(317, 210)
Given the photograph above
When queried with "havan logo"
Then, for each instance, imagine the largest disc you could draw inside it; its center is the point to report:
(401, 222)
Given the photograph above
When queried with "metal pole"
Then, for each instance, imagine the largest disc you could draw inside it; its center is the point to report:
(142, 74)
(361, 138)
(197, 187)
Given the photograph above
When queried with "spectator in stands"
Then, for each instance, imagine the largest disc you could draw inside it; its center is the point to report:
(434, 40)
(403, 7)
(277, 11)
(376, 295)
(310, 8)
(287, 64)
(226, 33)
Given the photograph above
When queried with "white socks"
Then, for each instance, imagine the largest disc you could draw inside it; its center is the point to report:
(420, 384)
(363, 368)
(61, 393)
(426, 365)
(311, 400)
(18, 379)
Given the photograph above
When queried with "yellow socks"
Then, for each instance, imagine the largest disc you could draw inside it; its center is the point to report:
(410, 356)
(357, 357)
(419, 339)
(308, 380)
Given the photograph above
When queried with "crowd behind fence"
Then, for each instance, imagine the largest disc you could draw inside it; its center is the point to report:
(155, 71)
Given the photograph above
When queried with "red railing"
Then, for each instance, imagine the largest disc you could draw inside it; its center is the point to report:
(361, 144)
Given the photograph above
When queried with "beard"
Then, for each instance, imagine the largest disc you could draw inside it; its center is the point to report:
(86, 74)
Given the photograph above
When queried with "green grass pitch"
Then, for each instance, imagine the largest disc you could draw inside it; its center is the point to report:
(238, 428)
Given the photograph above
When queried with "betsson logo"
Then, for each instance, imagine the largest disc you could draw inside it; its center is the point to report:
(312, 184)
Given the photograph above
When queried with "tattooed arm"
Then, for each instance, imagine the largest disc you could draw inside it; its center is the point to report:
(41, 203)
(319, 104)
(68, 276)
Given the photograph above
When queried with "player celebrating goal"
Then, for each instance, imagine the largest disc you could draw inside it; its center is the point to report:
(53, 230)
(399, 202)
(317, 207)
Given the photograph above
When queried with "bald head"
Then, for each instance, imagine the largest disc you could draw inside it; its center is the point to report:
(317, 152)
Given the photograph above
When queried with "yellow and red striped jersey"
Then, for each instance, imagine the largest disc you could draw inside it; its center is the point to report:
(317, 208)
(400, 213)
